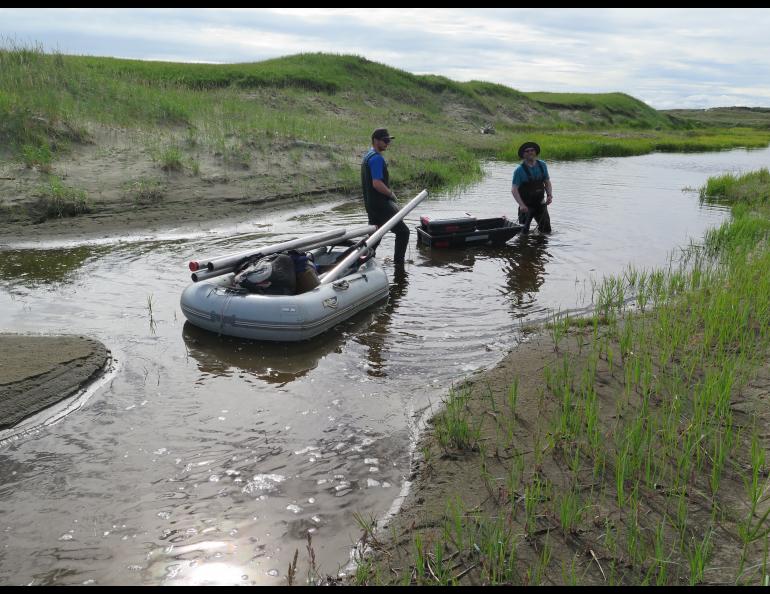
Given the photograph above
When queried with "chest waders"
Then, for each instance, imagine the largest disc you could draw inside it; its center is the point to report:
(374, 201)
(380, 208)
(532, 193)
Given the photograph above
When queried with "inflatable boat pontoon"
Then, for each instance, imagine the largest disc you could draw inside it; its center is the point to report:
(216, 305)
(349, 280)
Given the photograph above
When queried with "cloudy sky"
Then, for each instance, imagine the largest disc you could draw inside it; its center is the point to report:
(669, 58)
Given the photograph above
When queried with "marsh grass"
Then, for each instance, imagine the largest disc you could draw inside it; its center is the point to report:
(144, 191)
(625, 143)
(724, 117)
(653, 459)
(39, 156)
(242, 111)
(742, 189)
(170, 159)
(454, 425)
(57, 200)
(151, 317)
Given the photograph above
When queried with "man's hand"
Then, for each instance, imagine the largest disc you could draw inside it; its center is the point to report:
(549, 200)
(517, 198)
(380, 186)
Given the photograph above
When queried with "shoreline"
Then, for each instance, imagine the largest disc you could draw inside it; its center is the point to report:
(528, 493)
(172, 216)
(438, 474)
(41, 371)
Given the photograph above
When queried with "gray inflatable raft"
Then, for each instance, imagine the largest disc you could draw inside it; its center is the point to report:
(216, 305)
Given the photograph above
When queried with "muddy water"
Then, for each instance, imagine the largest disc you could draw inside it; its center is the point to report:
(208, 459)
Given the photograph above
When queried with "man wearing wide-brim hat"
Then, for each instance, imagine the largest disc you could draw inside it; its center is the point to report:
(532, 188)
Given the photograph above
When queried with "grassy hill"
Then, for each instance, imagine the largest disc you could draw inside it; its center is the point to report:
(727, 117)
(292, 126)
(74, 90)
(614, 109)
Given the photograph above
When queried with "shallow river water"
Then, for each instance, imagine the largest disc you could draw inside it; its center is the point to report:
(205, 459)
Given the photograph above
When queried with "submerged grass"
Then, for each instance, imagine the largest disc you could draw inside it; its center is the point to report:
(654, 470)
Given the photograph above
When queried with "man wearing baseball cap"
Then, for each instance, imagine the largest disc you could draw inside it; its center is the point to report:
(379, 199)
(531, 186)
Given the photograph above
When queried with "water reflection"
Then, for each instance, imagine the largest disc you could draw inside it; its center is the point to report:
(451, 258)
(198, 564)
(376, 339)
(524, 263)
(39, 267)
(272, 362)
(275, 363)
(215, 574)
(350, 207)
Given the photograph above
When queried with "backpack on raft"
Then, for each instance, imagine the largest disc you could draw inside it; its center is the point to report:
(305, 272)
(278, 274)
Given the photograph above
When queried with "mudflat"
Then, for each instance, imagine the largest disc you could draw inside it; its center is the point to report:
(39, 371)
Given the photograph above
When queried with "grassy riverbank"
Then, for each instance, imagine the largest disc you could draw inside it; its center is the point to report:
(626, 143)
(628, 447)
(725, 117)
(130, 144)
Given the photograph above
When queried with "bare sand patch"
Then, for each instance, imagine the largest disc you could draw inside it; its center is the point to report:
(39, 371)
(129, 188)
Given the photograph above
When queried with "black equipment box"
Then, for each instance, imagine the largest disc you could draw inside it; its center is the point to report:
(464, 231)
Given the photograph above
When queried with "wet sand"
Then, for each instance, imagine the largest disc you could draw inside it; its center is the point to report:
(39, 371)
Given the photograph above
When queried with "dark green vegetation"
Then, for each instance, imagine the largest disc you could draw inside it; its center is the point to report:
(580, 145)
(725, 117)
(298, 125)
(630, 449)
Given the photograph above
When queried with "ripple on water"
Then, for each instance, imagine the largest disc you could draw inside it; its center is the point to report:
(262, 483)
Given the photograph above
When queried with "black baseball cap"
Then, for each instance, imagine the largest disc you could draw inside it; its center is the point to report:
(527, 145)
(382, 134)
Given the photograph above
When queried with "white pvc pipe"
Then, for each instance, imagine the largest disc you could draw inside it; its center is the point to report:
(233, 259)
(340, 268)
(352, 234)
(205, 273)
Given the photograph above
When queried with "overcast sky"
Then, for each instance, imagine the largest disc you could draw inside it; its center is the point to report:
(668, 58)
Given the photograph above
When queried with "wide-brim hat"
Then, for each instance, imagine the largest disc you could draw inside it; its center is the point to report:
(527, 145)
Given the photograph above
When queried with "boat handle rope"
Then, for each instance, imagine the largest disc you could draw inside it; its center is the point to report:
(341, 285)
(224, 306)
(222, 314)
